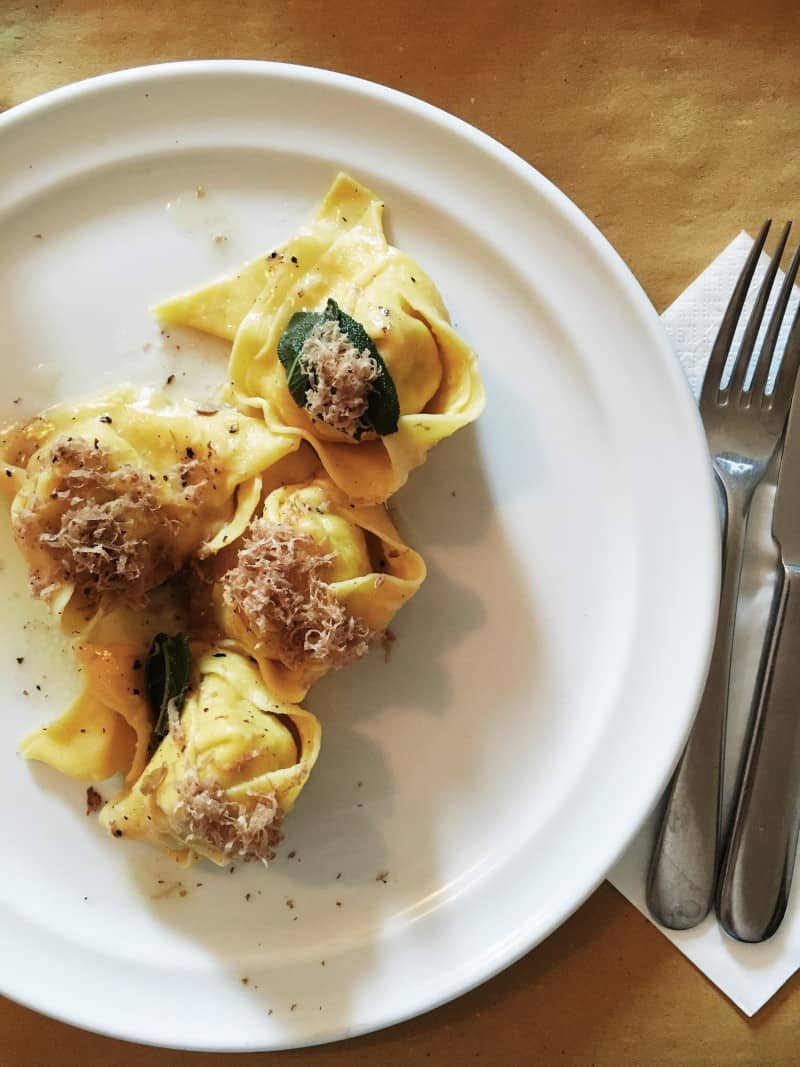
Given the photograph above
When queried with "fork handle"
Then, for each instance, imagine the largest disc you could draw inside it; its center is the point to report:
(757, 869)
(683, 865)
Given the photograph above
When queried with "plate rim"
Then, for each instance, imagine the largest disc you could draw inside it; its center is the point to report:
(661, 353)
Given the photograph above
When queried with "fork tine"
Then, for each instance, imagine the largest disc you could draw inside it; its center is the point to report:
(787, 372)
(719, 352)
(739, 374)
(788, 367)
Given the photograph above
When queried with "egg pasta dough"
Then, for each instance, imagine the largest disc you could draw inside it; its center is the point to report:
(211, 562)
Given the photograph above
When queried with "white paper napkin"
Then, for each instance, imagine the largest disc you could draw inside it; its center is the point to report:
(748, 974)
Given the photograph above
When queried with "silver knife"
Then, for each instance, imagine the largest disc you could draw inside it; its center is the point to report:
(756, 872)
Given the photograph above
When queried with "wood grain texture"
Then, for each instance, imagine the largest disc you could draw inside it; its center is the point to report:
(672, 125)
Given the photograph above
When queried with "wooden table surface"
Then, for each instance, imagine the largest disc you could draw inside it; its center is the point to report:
(673, 126)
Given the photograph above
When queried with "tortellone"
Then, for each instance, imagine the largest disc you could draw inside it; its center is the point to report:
(210, 563)
(221, 781)
(342, 260)
(111, 497)
(314, 582)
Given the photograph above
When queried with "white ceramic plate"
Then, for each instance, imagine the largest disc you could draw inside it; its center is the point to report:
(543, 680)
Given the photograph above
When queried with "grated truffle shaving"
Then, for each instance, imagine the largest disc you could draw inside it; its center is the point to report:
(176, 731)
(110, 532)
(277, 588)
(205, 816)
(339, 377)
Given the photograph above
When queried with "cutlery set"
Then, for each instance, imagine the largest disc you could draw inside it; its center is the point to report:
(745, 870)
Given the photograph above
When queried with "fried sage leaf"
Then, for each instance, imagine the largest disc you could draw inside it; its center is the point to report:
(383, 408)
(167, 673)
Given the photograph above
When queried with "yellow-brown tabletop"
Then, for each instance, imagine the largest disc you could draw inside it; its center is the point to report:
(673, 126)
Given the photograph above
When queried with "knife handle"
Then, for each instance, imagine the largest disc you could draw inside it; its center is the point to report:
(756, 872)
(683, 865)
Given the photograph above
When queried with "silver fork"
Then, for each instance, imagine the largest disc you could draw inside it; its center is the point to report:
(744, 427)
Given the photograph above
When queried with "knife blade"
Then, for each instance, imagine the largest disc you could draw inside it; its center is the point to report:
(758, 864)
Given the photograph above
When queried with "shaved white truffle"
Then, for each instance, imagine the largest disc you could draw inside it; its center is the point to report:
(104, 527)
(205, 816)
(107, 531)
(277, 589)
(340, 377)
